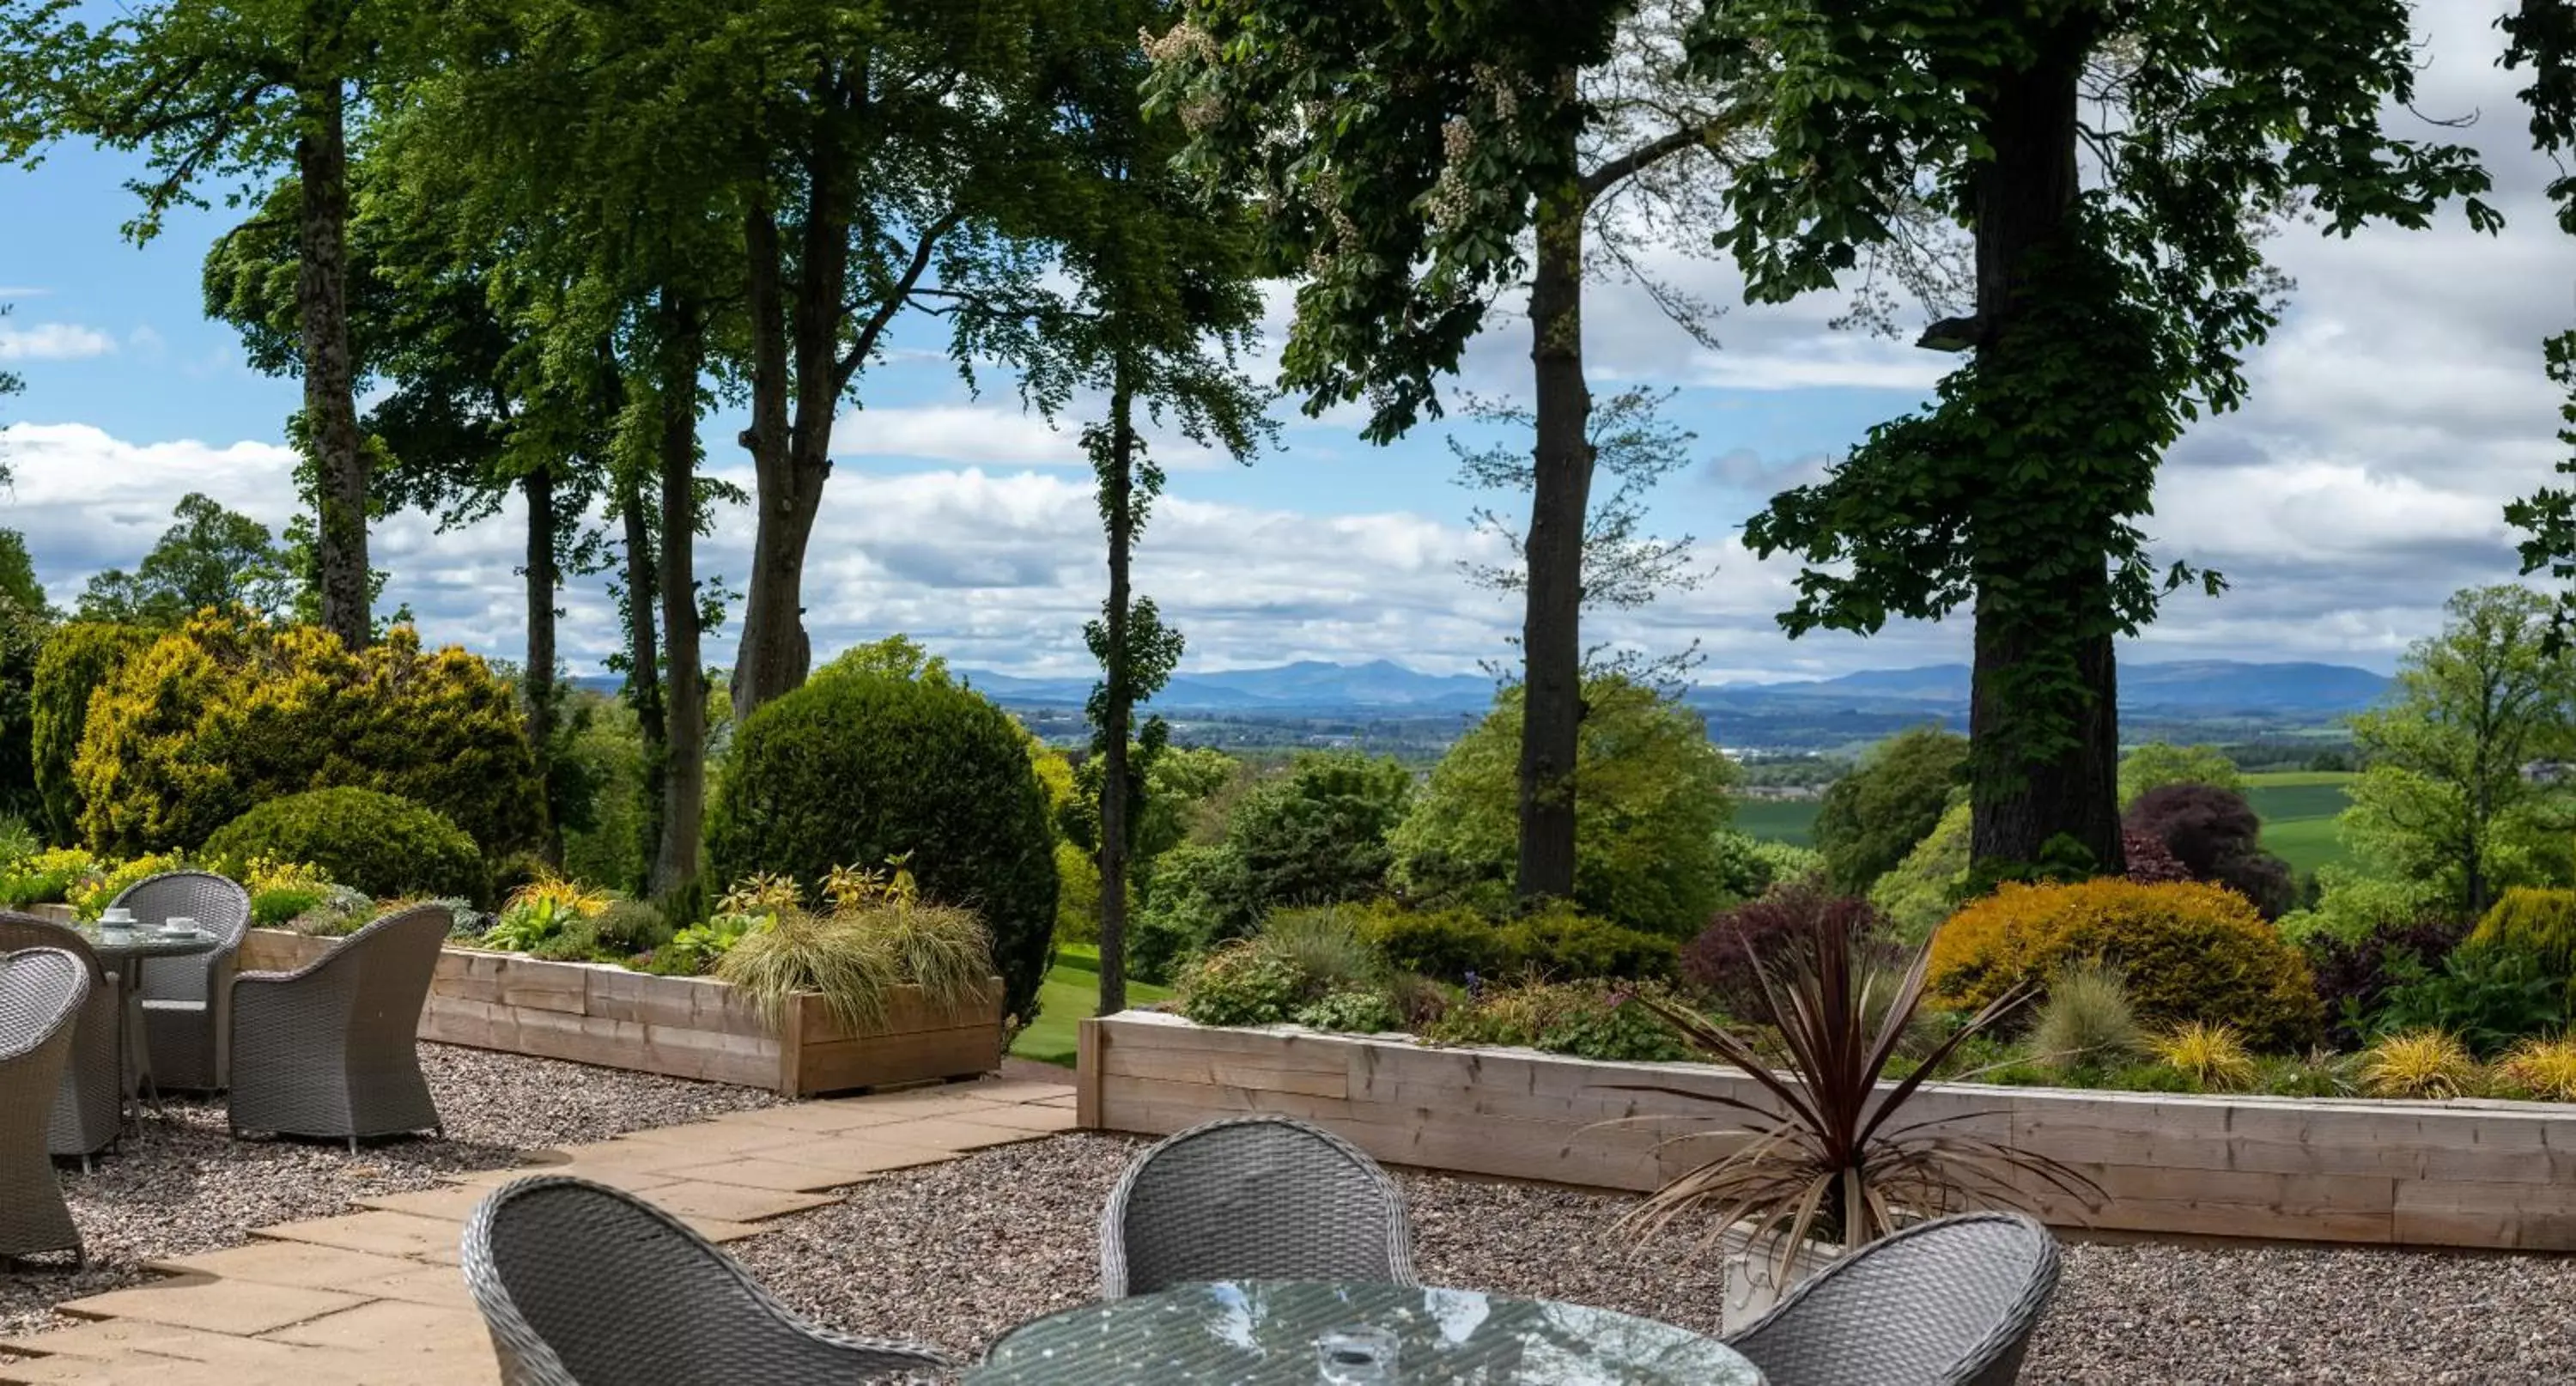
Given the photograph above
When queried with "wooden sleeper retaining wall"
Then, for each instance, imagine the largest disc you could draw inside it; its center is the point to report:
(2495, 1175)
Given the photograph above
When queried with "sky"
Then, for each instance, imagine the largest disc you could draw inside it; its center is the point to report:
(2396, 410)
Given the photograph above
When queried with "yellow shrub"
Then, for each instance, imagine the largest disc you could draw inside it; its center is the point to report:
(91, 895)
(2543, 1068)
(570, 898)
(2190, 952)
(2419, 1063)
(2213, 1056)
(2535, 921)
(261, 875)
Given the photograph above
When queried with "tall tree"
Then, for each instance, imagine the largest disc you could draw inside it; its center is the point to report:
(2542, 40)
(1420, 159)
(884, 149)
(211, 557)
(1160, 303)
(233, 90)
(2447, 796)
(2107, 313)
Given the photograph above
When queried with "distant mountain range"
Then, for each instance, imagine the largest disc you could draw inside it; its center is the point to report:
(2201, 688)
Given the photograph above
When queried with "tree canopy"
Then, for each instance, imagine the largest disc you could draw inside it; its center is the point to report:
(1871, 818)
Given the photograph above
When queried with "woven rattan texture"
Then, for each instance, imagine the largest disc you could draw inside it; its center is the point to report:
(1951, 1302)
(1253, 1198)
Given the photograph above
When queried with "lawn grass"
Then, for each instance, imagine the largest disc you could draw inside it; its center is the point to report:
(1778, 820)
(1070, 993)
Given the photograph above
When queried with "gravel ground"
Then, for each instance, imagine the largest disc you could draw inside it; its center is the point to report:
(184, 1185)
(956, 1254)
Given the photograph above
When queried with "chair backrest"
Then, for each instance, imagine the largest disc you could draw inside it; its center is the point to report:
(388, 964)
(584, 1285)
(19, 931)
(1953, 1300)
(1253, 1198)
(220, 906)
(40, 991)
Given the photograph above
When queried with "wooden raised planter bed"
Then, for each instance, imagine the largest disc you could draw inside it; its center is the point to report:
(2492, 1175)
(687, 1027)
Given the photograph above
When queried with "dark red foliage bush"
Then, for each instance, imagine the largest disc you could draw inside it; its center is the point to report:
(1790, 917)
(2217, 837)
(2150, 862)
(2353, 977)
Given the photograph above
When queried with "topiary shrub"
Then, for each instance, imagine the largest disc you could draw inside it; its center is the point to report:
(1558, 942)
(227, 713)
(76, 660)
(386, 846)
(861, 768)
(2190, 951)
(2535, 921)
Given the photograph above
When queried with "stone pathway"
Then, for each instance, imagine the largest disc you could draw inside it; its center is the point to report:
(374, 1298)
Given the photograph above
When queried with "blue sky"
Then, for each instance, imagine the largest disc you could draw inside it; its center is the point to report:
(2398, 408)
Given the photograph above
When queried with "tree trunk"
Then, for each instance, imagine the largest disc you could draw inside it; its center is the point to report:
(684, 782)
(2023, 198)
(330, 391)
(644, 660)
(1552, 622)
(537, 679)
(1118, 509)
(792, 459)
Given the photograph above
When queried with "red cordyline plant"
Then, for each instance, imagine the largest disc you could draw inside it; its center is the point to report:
(1833, 1155)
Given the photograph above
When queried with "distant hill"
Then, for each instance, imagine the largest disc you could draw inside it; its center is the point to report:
(1306, 686)
(2212, 687)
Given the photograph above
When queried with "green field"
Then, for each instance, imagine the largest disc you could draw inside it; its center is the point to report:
(1070, 993)
(1778, 820)
(2298, 808)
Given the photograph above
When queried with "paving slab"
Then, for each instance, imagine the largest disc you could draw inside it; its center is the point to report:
(311, 1266)
(1018, 1116)
(948, 1134)
(831, 1116)
(123, 1338)
(712, 1137)
(732, 1202)
(1016, 1090)
(615, 1176)
(393, 1330)
(928, 1104)
(383, 1233)
(861, 1154)
(443, 1286)
(774, 1175)
(243, 1307)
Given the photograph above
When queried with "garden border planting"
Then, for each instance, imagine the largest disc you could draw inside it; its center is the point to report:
(684, 1027)
(2486, 1175)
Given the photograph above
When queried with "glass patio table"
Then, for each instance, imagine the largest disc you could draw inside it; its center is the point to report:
(1311, 1333)
(124, 951)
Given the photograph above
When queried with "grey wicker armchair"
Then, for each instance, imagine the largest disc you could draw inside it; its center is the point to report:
(42, 991)
(89, 1105)
(332, 1048)
(582, 1285)
(1950, 1302)
(1252, 1198)
(184, 999)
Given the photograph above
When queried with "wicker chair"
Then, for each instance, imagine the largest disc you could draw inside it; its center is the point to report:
(583, 1285)
(332, 1048)
(42, 991)
(184, 999)
(1950, 1302)
(1252, 1198)
(89, 1106)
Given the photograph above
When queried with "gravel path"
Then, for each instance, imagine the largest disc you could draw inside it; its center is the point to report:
(956, 1254)
(186, 1186)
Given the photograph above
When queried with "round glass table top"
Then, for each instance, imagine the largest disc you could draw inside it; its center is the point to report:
(1353, 1334)
(147, 941)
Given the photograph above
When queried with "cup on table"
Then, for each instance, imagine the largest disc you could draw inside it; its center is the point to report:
(179, 924)
(116, 919)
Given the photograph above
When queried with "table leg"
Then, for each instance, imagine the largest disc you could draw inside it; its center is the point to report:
(134, 1046)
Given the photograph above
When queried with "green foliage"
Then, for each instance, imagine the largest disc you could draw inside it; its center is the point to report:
(1926, 886)
(44, 878)
(2160, 763)
(2443, 798)
(1077, 901)
(1243, 983)
(1871, 818)
(212, 557)
(225, 714)
(2351, 906)
(865, 768)
(607, 753)
(18, 570)
(2541, 923)
(1329, 947)
(1558, 942)
(2487, 997)
(77, 660)
(897, 656)
(1318, 834)
(1590, 1020)
(1651, 795)
(1349, 1012)
(23, 631)
(782, 956)
(631, 927)
(381, 844)
(1198, 896)
(693, 951)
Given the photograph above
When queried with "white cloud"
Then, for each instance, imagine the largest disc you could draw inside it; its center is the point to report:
(52, 341)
